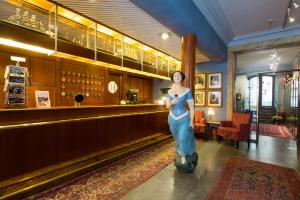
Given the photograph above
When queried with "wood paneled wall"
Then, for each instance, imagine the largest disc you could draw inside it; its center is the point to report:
(30, 148)
(46, 74)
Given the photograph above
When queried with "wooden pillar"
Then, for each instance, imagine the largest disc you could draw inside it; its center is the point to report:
(230, 83)
(188, 46)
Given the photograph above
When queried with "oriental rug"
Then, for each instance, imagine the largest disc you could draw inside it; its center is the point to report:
(273, 130)
(114, 180)
(243, 179)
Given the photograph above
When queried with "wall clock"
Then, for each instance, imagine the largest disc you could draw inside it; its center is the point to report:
(112, 87)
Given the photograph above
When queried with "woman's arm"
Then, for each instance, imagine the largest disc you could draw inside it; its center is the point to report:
(192, 111)
(168, 103)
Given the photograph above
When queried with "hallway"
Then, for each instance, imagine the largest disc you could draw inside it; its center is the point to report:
(170, 184)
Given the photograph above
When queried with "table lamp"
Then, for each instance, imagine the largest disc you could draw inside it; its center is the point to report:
(210, 112)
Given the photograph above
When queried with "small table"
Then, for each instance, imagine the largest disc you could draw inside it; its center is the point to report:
(210, 125)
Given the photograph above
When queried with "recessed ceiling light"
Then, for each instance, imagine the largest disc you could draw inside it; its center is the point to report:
(165, 35)
(291, 19)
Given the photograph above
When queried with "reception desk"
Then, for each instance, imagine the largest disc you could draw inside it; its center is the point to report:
(31, 139)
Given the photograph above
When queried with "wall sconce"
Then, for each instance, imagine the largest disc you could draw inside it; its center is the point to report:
(210, 113)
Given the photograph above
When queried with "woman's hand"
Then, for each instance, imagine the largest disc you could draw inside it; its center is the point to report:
(174, 101)
(191, 124)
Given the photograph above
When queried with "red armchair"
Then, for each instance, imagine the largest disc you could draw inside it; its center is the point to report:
(238, 129)
(199, 122)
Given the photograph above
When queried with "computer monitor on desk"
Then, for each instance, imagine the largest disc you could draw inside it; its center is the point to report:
(132, 95)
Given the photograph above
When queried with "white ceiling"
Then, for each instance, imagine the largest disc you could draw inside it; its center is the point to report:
(251, 16)
(125, 17)
(259, 61)
(237, 18)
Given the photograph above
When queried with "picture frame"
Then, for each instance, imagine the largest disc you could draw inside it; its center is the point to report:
(200, 81)
(200, 98)
(215, 81)
(214, 98)
(42, 99)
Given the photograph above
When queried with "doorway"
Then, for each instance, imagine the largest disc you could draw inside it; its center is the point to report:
(272, 101)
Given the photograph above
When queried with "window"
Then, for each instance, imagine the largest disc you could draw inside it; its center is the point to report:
(294, 93)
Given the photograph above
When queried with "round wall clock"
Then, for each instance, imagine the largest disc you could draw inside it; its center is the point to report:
(112, 87)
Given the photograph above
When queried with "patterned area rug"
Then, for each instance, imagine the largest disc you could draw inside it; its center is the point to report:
(246, 179)
(114, 180)
(272, 130)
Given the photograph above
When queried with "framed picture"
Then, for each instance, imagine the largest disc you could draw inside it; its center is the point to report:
(214, 98)
(215, 81)
(200, 81)
(42, 99)
(200, 98)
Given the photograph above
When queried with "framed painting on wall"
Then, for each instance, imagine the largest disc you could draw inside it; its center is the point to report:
(215, 81)
(200, 81)
(200, 98)
(214, 98)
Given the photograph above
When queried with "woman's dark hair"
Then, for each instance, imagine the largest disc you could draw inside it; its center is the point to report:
(182, 76)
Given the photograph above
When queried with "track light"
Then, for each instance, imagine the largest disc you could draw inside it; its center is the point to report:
(296, 5)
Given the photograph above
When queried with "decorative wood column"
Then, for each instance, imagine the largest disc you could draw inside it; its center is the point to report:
(188, 45)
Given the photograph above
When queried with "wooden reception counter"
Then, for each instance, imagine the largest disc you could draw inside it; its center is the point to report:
(31, 139)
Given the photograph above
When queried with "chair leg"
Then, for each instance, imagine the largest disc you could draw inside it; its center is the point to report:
(248, 143)
(237, 144)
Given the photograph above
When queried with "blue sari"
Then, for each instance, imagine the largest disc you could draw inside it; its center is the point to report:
(179, 123)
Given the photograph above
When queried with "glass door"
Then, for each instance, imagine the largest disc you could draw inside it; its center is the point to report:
(253, 93)
(267, 91)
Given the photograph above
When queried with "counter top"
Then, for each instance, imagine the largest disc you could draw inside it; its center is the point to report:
(23, 125)
(79, 107)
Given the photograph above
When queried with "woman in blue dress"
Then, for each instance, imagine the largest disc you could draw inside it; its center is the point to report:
(181, 122)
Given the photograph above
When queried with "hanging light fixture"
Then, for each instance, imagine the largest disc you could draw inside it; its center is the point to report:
(274, 61)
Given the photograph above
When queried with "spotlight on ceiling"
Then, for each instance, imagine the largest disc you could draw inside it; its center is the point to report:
(291, 19)
(165, 35)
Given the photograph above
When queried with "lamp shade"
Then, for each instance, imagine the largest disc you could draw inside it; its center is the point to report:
(211, 112)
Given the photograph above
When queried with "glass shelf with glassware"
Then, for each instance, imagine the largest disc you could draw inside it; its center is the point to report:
(108, 41)
(73, 34)
(29, 15)
(174, 65)
(149, 59)
(162, 64)
(75, 29)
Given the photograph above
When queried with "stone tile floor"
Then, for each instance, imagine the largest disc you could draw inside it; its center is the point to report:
(169, 184)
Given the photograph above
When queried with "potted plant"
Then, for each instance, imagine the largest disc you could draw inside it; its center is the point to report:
(292, 119)
(276, 119)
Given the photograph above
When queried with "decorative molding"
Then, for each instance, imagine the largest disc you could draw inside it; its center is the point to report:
(271, 34)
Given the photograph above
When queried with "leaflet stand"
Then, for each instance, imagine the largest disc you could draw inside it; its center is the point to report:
(15, 84)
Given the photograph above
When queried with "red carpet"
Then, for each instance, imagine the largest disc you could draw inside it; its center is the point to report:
(243, 179)
(272, 130)
(114, 180)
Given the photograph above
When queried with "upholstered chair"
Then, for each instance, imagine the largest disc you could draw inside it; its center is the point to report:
(199, 122)
(238, 129)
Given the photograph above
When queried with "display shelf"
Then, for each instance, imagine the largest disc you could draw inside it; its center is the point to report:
(75, 28)
(27, 15)
(162, 64)
(109, 41)
(174, 65)
(78, 36)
